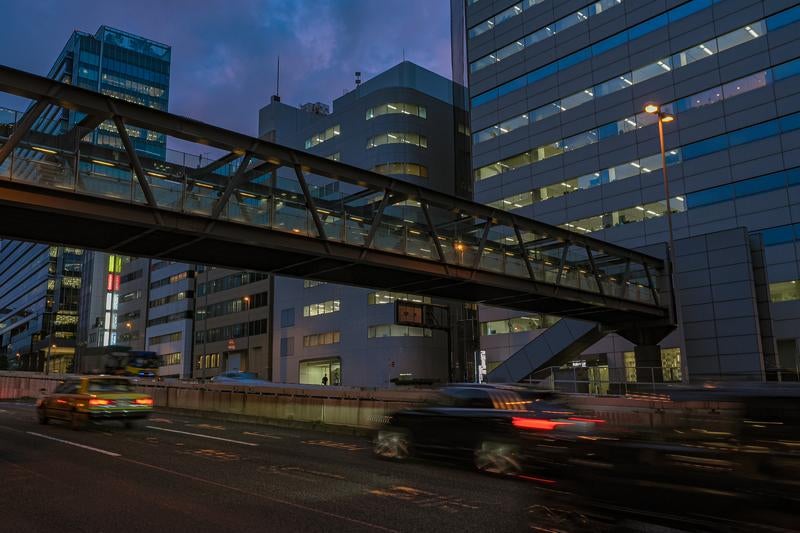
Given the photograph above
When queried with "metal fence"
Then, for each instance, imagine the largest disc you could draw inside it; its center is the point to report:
(623, 381)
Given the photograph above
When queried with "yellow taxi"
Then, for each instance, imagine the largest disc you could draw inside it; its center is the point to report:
(85, 398)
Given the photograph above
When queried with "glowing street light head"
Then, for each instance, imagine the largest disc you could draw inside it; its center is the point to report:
(459, 247)
(667, 118)
(651, 108)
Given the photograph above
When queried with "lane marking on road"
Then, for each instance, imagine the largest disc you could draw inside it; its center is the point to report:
(307, 508)
(256, 434)
(162, 420)
(298, 471)
(205, 426)
(217, 455)
(333, 444)
(423, 498)
(203, 436)
(98, 450)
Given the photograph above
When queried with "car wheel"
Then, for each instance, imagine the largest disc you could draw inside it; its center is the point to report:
(41, 414)
(393, 445)
(77, 420)
(497, 458)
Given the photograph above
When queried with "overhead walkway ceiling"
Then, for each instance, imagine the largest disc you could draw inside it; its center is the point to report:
(267, 207)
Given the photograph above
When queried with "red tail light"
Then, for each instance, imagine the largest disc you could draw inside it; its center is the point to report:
(537, 423)
(143, 401)
(100, 401)
(595, 420)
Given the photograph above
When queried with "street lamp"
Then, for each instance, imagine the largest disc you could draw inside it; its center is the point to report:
(459, 247)
(663, 117)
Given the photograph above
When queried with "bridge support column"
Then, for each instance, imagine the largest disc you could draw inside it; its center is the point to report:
(647, 355)
(647, 350)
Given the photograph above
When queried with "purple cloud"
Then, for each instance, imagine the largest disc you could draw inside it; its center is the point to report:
(224, 53)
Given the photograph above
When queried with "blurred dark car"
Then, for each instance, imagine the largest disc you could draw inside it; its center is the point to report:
(728, 459)
(500, 429)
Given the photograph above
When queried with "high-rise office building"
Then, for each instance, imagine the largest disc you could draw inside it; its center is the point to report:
(39, 293)
(118, 64)
(406, 122)
(134, 69)
(156, 312)
(559, 133)
(231, 327)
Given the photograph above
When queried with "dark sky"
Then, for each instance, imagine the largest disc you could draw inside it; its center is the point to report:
(224, 52)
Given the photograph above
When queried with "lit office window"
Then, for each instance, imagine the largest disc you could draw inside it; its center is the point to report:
(582, 15)
(636, 213)
(784, 291)
(398, 138)
(384, 297)
(322, 308)
(323, 136)
(410, 169)
(629, 360)
(171, 359)
(395, 330)
(210, 360)
(130, 296)
(161, 339)
(670, 367)
(517, 324)
(397, 108)
(670, 364)
(321, 339)
(501, 17)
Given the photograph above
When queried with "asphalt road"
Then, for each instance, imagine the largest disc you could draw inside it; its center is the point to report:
(176, 473)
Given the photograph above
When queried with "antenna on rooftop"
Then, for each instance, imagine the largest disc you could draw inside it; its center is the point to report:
(358, 79)
(277, 96)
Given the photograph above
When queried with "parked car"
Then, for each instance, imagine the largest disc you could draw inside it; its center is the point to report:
(79, 400)
(239, 378)
(499, 429)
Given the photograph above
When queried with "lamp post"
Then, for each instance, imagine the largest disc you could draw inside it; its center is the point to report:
(47, 358)
(663, 117)
(247, 332)
(50, 344)
(204, 357)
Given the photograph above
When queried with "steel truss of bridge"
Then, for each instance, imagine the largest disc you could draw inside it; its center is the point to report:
(266, 207)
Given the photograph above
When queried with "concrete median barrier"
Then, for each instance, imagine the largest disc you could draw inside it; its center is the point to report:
(303, 404)
(350, 409)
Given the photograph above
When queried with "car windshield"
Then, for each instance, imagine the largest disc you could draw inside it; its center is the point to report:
(109, 385)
